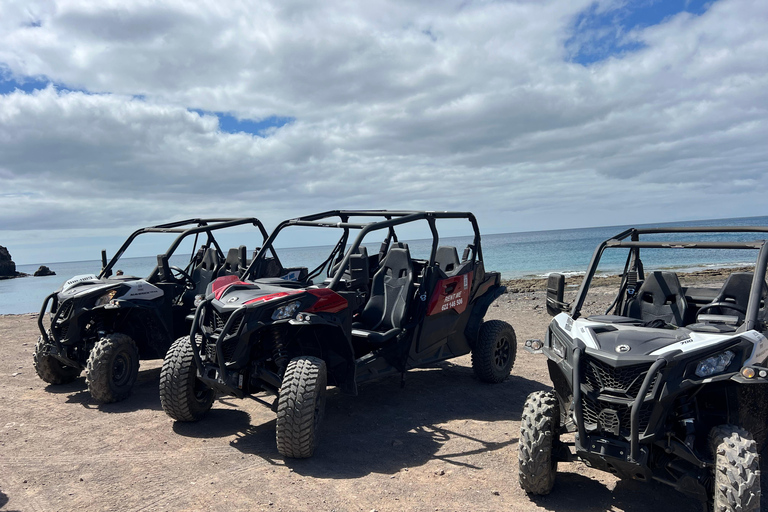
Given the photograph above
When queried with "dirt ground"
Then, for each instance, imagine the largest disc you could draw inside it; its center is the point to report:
(444, 442)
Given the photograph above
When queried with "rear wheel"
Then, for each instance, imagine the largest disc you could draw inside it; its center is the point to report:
(183, 396)
(50, 369)
(736, 473)
(113, 367)
(539, 432)
(494, 352)
(300, 407)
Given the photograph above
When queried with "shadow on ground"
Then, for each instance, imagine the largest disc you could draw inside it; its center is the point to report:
(145, 394)
(570, 490)
(385, 428)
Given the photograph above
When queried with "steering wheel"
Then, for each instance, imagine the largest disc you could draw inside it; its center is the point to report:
(725, 305)
(180, 275)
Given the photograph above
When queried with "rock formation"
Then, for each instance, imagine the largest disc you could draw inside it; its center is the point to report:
(44, 271)
(7, 266)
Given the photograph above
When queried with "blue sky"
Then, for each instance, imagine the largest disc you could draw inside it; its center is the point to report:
(603, 31)
(533, 115)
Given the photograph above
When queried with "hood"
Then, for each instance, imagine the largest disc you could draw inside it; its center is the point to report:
(637, 341)
(625, 340)
(129, 288)
(230, 293)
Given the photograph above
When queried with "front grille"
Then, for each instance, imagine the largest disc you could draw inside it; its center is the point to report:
(216, 321)
(613, 418)
(65, 309)
(61, 327)
(603, 380)
(625, 381)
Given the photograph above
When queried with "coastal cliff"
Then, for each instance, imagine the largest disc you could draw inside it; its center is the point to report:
(7, 266)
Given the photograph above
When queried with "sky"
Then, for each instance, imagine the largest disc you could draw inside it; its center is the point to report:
(533, 114)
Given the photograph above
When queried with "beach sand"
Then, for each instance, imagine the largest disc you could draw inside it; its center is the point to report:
(444, 442)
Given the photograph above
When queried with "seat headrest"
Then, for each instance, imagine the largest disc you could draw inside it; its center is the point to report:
(210, 259)
(661, 286)
(737, 287)
(398, 262)
(233, 257)
(447, 257)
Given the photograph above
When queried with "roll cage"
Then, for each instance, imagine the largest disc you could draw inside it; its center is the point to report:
(630, 239)
(182, 227)
(340, 255)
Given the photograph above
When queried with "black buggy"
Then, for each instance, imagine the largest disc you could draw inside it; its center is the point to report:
(354, 318)
(668, 384)
(106, 323)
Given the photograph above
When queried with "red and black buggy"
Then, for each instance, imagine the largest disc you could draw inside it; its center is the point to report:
(355, 317)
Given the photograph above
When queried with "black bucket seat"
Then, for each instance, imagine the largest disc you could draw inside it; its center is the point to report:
(391, 292)
(660, 297)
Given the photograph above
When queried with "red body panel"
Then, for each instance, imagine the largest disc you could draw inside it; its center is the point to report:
(272, 296)
(451, 293)
(328, 301)
(220, 285)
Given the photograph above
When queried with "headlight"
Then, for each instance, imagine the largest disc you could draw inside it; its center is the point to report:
(104, 299)
(286, 310)
(558, 347)
(714, 364)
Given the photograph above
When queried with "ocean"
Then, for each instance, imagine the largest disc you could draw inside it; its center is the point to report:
(515, 255)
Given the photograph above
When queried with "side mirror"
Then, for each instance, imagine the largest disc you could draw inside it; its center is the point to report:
(555, 292)
(164, 270)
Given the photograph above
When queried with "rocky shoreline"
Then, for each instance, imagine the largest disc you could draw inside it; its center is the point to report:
(687, 278)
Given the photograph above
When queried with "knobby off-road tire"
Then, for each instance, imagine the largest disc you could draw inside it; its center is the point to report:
(736, 472)
(300, 407)
(539, 431)
(183, 396)
(494, 352)
(113, 367)
(50, 369)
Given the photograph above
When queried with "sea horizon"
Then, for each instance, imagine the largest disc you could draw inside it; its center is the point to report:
(516, 255)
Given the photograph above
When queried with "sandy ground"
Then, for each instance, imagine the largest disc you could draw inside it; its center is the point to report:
(443, 442)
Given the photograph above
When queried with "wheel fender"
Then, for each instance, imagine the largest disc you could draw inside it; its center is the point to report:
(479, 309)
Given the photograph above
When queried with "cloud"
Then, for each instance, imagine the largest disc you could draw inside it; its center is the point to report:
(447, 105)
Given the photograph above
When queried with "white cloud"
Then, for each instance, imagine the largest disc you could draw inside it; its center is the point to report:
(445, 105)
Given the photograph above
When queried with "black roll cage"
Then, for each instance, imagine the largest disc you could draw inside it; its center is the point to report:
(391, 218)
(630, 238)
(199, 226)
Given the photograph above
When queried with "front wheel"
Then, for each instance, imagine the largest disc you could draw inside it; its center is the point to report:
(539, 432)
(113, 367)
(300, 407)
(736, 471)
(493, 354)
(183, 396)
(50, 369)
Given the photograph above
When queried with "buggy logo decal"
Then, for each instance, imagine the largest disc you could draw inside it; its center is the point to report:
(291, 276)
(568, 324)
(77, 279)
(233, 299)
(623, 349)
(466, 280)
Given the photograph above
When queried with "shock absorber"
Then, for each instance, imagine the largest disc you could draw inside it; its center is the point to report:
(685, 417)
(279, 354)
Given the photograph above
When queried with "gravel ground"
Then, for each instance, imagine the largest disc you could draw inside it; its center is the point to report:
(445, 441)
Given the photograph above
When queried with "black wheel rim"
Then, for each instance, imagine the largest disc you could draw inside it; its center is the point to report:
(501, 352)
(121, 369)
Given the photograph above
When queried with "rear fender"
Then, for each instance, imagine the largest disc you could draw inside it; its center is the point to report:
(481, 304)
